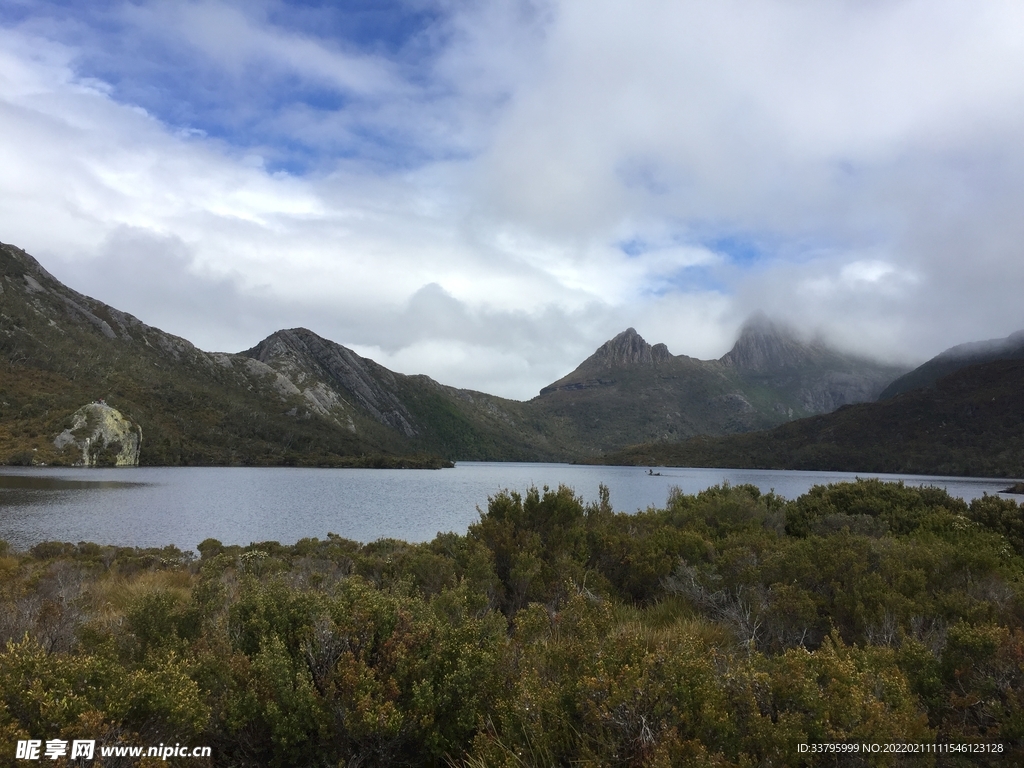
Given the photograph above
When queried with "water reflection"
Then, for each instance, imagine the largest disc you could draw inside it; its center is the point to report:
(33, 490)
(50, 483)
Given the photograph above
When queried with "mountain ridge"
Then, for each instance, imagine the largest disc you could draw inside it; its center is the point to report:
(62, 349)
(296, 397)
(629, 388)
(953, 359)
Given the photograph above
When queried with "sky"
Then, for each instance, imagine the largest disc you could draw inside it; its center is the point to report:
(486, 191)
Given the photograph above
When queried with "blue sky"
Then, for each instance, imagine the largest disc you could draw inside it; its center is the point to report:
(486, 191)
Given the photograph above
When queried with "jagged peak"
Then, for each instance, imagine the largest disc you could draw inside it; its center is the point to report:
(625, 350)
(630, 348)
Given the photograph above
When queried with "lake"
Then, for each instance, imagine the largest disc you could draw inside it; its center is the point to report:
(154, 507)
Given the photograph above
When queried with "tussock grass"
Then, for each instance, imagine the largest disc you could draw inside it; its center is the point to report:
(111, 597)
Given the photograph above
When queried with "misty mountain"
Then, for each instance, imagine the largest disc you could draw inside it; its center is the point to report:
(955, 358)
(629, 390)
(809, 376)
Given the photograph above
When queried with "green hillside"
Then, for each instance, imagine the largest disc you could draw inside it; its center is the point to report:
(970, 422)
(60, 350)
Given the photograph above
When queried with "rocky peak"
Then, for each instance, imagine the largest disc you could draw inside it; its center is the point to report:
(629, 348)
(766, 345)
(290, 347)
(306, 359)
(626, 350)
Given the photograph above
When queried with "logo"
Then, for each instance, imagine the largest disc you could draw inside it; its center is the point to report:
(33, 749)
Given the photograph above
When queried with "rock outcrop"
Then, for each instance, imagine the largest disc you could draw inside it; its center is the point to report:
(629, 348)
(103, 435)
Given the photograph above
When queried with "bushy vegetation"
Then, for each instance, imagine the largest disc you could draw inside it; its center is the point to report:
(722, 630)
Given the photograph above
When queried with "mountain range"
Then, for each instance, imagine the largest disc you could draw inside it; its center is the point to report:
(297, 398)
(629, 391)
(961, 413)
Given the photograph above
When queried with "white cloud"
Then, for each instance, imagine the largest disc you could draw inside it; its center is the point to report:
(866, 271)
(237, 39)
(467, 211)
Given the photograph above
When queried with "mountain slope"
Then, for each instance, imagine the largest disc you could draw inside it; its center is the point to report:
(955, 358)
(456, 423)
(60, 350)
(970, 422)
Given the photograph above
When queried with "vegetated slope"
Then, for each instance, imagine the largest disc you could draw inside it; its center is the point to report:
(630, 391)
(970, 422)
(955, 358)
(60, 350)
(455, 423)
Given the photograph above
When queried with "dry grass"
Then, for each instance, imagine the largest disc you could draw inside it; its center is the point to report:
(670, 621)
(111, 597)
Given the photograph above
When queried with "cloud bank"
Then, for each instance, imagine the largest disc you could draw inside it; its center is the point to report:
(485, 192)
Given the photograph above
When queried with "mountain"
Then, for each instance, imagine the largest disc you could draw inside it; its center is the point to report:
(808, 376)
(294, 398)
(297, 398)
(421, 413)
(970, 422)
(60, 350)
(629, 391)
(955, 358)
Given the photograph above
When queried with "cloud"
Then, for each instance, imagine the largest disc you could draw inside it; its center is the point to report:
(486, 191)
(224, 34)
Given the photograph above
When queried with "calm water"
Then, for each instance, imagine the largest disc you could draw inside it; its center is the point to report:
(182, 506)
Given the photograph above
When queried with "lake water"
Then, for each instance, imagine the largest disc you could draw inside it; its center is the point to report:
(154, 507)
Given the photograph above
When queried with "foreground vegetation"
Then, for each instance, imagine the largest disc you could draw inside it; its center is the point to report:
(723, 630)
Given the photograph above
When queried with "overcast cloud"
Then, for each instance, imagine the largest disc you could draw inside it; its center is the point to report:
(486, 191)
